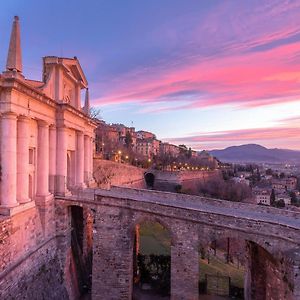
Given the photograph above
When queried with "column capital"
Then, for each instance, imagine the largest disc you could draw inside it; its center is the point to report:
(80, 133)
(23, 118)
(9, 115)
(52, 127)
(42, 123)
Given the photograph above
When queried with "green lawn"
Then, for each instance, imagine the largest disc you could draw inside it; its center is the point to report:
(218, 267)
(155, 239)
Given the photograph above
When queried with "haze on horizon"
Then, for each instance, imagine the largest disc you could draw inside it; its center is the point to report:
(209, 74)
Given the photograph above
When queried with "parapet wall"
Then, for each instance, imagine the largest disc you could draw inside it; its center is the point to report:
(108, 173)
(189, 180)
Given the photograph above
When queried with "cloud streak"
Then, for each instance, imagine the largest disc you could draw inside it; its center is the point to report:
(251, 62)
(266, 136)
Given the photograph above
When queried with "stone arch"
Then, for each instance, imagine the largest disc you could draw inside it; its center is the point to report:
(149, 179)
(266, 266)
(149, 260)
(154, 218)
(266, 242)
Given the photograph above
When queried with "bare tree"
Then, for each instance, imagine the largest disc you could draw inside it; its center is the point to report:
(95, 113)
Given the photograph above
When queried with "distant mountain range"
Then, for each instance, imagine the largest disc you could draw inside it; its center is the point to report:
(256, 153)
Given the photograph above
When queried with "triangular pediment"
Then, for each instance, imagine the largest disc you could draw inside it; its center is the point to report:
(74, 68)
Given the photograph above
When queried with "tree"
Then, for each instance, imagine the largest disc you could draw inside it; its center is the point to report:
(269, 172)
(128, 140)
(282, 175)
(272, 197)
(95, 113)
(294, 199)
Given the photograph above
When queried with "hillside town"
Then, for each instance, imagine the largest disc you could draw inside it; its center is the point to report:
(120, 143)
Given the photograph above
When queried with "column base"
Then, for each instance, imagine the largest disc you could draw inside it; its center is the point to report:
(80, 186)
(10, 211)
(43, 199)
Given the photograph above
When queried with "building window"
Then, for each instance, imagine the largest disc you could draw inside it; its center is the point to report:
(31, 156)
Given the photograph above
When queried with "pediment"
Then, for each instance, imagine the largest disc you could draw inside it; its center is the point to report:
(74, 69)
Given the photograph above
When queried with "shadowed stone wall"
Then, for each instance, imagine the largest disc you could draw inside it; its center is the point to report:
(189, 180)
(29, 262)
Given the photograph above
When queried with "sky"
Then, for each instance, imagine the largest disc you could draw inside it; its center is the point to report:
(209, 74)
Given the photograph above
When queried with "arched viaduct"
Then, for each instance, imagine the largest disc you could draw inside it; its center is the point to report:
(272, 237)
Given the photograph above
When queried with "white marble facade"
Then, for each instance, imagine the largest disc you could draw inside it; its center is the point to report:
(46, 137)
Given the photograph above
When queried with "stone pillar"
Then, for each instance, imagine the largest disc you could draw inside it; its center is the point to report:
(43, 160)
(23, 159)
(112, 254)
(61, 161)
(91, 159)
(52, 158)
(87, 159)
(256, 272)
(80, 154)
(185, 264)
(8, 147)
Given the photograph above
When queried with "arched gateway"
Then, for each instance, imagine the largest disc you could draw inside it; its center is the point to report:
(272, 237)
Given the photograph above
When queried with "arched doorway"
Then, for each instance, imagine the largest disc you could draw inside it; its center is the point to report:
(149, 179)
(151, 261)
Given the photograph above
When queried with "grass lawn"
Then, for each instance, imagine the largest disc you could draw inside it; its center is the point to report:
(217, 266)
(155, 239)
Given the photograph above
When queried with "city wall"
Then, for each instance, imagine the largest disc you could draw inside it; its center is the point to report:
(188, 180)
(29, 263)
(109, 173)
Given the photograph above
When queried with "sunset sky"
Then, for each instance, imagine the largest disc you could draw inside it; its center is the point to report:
(209, 74)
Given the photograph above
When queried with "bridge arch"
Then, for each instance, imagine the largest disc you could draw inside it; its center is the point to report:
(266, 263)
(143, 218)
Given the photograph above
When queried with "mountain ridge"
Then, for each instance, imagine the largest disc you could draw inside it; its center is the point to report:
(256, 153)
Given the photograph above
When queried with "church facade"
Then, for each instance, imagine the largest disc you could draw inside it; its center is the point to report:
(46, 136)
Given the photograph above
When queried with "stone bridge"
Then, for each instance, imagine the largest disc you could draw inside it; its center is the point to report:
(272, 240)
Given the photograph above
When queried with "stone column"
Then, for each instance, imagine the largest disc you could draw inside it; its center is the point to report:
(43, 159)
(91, 158)
(61, 161)
(23, 159)
(52, 158)
(185, 264)
(8, 147)
(86, 159)
(80, 153)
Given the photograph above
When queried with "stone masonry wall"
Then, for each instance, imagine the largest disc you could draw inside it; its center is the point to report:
(113, 248)
(29, 265)
(108, 173)
(189, 180)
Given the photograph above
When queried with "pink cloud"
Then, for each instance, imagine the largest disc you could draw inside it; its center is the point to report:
(288, 136)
